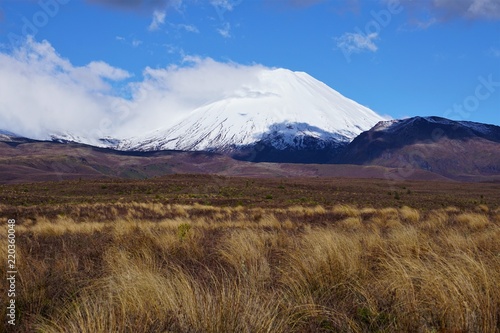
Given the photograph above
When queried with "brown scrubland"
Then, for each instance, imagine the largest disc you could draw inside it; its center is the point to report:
(172, 267)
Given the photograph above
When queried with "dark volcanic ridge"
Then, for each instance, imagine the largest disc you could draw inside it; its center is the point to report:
(453, 149)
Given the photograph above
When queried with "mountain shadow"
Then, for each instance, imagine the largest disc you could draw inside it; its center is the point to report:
(293, 143)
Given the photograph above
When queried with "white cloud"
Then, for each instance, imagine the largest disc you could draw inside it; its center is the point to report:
(221, 7)
(352, 42)
(226, 5)
(189, 28)
(158, 20)
(168, 94)
(174, 49)
(103, 70)
(136, 42)
(42, 93)
(225, 31)
(186, 27)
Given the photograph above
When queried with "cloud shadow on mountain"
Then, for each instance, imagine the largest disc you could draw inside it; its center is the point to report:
(284, 143)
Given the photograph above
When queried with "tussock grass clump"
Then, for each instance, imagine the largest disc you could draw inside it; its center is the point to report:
(60, 226)
(435, 220)
(483, 208)
(346, 211)
(305, 210)
(436, 292)
(140, 295)
(246, 252)
(388, 213)
(473, 220)
(408, 214)
(270, 221)
(351, 223)
(321, 261)
(367, 212)
(197, 268)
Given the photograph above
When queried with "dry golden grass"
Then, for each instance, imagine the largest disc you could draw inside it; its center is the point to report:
(60, 226)
(409, 214)
(246, 252)
(200, 268)
(346, 210)
(474, 221)
(351, 223)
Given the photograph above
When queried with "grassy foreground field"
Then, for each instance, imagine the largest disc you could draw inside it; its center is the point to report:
(161, 265)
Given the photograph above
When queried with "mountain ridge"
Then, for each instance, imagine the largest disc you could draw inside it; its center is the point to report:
(454, 149)
(280, 116)
(414, 148)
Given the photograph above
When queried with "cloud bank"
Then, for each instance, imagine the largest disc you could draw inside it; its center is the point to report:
(42, 93)
(450, 9)
(137, 4)
(443, 9)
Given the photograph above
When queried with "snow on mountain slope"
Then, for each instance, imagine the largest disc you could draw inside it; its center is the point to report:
(7, 136)
(479, 129)
(91, 140)
(282, 108)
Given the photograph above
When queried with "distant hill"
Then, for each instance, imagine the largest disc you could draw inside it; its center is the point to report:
(419, 148)
(34, 161)
(458, 150)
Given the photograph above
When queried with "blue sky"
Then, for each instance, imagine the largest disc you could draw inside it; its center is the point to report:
(400, 58)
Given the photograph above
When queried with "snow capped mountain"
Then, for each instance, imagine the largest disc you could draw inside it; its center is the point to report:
(105, 142)
(459, 128)
(273, 115)
(7, 136)
(281, 108)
